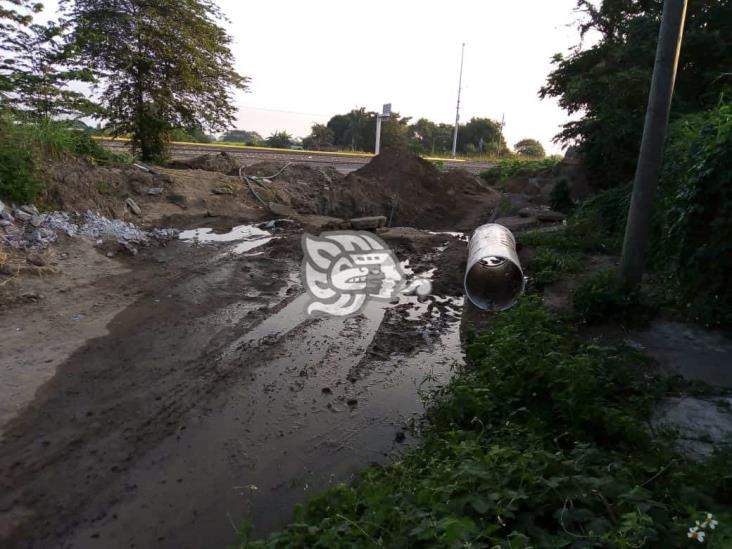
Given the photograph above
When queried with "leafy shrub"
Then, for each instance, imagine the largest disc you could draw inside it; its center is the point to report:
(540, 441)
(560, 198)
(694, 219)
(18, 181)
(547, 265)
(602, 297)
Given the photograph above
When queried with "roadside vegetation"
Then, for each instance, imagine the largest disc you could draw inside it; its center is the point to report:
(26, 144)
(519, 167)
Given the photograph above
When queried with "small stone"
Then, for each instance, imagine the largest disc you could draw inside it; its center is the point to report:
(368, 223)
(6, 215)
(352, 402)
(37, 260)
(22, 215)
(134, 208)
(37, 220)
(30, 208)
(4, 223)
(155, 191)
(223, 190)
(327, 391)
(400, 436)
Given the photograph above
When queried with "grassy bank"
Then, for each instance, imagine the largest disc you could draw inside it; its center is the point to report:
(25, 145)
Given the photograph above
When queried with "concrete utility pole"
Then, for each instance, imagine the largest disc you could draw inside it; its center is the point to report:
(638, 229)
(457, 111)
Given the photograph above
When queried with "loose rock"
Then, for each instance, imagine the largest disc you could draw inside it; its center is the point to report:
(134, 208)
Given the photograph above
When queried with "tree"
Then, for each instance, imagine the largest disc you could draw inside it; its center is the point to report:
(164, 64)
(243, 136)
(15, 18)
(42, 73)
(279, 140)
(609, 82)
(321, 137)
(529, 147)
(481, 135)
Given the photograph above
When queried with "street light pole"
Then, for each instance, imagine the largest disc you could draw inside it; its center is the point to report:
(457, 110)
(638, 228)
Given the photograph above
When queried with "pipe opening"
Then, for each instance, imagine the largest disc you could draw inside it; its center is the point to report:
(494, 283)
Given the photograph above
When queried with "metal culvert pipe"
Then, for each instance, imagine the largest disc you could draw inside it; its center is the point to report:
(493, 278)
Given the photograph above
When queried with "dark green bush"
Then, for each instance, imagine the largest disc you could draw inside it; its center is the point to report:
(18, 180)
(560, 198)
(601, 297)
(694, 217)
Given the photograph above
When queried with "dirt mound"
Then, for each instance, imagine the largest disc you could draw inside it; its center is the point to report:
(413, 192)
(222, 163)
(79, 184)
(397, 184)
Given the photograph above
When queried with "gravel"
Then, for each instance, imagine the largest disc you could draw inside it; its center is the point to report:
(38, 232)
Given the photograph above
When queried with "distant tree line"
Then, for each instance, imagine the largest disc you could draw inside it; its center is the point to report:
(356, 130)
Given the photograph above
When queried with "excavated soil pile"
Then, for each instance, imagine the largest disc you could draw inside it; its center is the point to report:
(221, 163)
(79, 184)
(397, 184)
(422, 196)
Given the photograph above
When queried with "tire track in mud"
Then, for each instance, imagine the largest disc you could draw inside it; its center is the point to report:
(208, 409)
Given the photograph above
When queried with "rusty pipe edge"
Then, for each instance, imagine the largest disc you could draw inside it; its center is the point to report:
(494, 279)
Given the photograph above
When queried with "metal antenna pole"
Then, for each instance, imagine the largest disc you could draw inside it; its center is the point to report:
(503, 124)
(457, 110)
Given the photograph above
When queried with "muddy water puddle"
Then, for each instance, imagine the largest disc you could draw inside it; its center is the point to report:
(245, 237)
(318, 400)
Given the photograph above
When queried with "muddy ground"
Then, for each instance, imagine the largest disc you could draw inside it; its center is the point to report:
(163, 393)
(164, 398)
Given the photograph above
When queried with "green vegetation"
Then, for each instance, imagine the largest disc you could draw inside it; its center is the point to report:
(167, 64)
(609, 82)
(24, 145)
(540, 441)
(253, 139)
(515, 167)
(279, 140)
(690, 260)
(356, 131)
(530, 148)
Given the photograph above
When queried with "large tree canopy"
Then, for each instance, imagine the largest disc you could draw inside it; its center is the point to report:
(529, 147)
(609, 82)
(163, 64)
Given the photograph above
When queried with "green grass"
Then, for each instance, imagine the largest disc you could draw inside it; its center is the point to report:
(539, 441)
(23, 145)
(517, 167)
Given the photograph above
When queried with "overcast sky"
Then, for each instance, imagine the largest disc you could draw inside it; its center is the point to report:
(310, 60)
